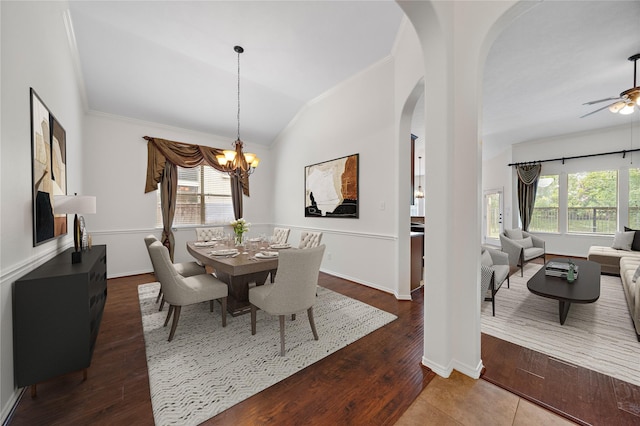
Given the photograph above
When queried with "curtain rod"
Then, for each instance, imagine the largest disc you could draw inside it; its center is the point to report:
(623, 152)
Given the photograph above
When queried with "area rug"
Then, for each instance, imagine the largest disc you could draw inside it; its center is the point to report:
(598, 336)
(207, 368)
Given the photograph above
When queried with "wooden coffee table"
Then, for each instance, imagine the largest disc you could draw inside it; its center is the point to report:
(585, 289)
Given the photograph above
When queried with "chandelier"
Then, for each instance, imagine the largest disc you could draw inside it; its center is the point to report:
(235, 162)
(419, 192)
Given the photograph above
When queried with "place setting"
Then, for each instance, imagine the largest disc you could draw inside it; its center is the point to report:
(229, 252)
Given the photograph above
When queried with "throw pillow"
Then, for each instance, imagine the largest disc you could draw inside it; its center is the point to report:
(525, 242)
(636, 239)
(637, 274)
(623, 240)
(485, 259)
(514, 234)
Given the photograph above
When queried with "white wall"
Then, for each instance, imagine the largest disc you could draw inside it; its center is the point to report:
(117, 155)
(35, 53)
(355, 117)
(623, 137)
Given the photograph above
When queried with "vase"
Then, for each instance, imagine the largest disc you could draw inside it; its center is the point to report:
(238, 239)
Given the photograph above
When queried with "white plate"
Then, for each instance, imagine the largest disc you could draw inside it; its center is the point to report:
(279, 246)
(267, 254)
(223, 252)
(204, 243)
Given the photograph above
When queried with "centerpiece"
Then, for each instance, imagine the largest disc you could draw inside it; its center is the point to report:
(240, 226)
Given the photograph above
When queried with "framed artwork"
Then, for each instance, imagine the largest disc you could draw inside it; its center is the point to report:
(48, 171)
(331, 188)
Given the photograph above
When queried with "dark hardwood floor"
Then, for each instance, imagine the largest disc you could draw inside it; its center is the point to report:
(372, 381)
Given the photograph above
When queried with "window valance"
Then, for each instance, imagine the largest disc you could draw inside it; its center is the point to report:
(180, 154)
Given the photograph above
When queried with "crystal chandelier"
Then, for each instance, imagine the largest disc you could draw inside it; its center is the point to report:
(235, 161)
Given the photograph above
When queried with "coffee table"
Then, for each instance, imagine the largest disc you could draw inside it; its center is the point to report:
(585, 289)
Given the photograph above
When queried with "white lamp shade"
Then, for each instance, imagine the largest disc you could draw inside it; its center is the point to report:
(78, 204)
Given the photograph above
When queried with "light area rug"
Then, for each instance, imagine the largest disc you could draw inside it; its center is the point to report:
(598, 336)
(207, 368)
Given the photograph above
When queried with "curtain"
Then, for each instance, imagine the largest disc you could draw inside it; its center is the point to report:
(163, 157)
(527, 187)
(168, 188)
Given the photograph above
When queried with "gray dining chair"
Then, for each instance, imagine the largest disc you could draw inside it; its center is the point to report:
(186, 269)
(280, 235)
(310, 239)
(179, 291)
(294, 289)
(209, 233)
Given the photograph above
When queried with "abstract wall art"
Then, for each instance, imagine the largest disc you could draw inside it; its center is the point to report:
(331, 188)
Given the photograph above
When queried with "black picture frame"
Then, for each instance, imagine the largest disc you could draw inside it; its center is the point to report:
(332, 188)
(48, 171)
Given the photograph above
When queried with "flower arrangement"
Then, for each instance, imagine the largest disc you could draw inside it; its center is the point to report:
(240, 226)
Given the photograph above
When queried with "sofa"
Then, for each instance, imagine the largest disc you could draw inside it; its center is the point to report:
(623, 263)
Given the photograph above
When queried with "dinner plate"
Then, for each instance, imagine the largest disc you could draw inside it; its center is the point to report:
(267, 254)
(223, 252)
(279, 246)
(204, 243)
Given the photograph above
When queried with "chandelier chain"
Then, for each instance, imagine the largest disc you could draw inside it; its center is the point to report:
(238, 95)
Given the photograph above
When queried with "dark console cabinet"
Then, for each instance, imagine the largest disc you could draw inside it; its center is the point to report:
(57, 309)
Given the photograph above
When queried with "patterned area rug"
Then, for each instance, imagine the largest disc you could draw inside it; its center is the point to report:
(207, 368)
(598, 336)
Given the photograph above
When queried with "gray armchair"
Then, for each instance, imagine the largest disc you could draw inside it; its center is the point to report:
(495, 270)
(179, 291)
(294, 289)
(522, 247)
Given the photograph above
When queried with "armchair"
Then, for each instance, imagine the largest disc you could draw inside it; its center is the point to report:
(494, 266)
(522, 247)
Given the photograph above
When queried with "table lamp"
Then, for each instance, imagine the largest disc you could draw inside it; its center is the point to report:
(75, 204)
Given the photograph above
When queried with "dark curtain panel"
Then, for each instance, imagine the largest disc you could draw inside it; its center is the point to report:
(236, 195)
(527, 187)
(168, 189)
(163, 158)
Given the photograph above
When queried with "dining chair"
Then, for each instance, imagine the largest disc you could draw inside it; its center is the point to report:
(280, 235)
(179, 291)
(207, 234)
(310, 239)
(186, 269)
(294, 289)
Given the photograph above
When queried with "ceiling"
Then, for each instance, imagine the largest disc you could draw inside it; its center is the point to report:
(173, 62)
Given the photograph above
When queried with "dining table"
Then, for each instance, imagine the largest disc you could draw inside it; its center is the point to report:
(239, 270)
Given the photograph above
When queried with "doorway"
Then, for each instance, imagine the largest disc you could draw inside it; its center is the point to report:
(492, 225)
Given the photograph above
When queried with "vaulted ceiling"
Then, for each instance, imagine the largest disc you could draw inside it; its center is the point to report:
(173, 62)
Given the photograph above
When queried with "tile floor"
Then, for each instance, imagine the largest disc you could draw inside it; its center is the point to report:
(461, 400)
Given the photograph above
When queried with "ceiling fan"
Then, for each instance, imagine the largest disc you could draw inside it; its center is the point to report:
(627, 101)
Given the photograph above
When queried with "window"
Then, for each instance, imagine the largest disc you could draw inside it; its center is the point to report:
(203, 197)
(634, 198)
(545, 211)
(592, 202)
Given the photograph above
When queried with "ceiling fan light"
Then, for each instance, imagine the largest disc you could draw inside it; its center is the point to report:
(628, 109)
(615, 108)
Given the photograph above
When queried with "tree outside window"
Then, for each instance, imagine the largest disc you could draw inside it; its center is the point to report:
(546, 208)
(634, 198)
(592, 202)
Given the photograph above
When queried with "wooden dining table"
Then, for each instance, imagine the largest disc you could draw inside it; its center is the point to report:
(238, 272)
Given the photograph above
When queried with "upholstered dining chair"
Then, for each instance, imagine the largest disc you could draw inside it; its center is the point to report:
(207, 234)
(280, 235)
(310, 239)
(186, 269)
(179, 291)
(522, 247)
(494, 267)
(294, 289)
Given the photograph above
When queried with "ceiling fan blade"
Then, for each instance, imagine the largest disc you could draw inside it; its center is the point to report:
(599, 109)
(600, 100)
